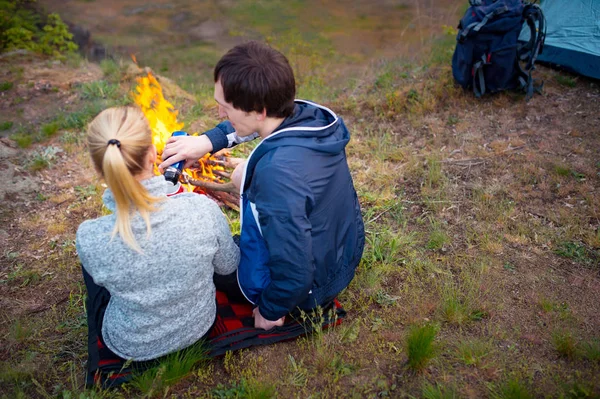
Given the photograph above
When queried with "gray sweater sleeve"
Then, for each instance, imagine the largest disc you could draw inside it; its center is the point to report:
(227, 257)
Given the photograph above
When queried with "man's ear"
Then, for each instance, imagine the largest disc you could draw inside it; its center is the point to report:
(261, 116)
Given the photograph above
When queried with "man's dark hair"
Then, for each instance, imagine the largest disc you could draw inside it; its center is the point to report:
(254, 77)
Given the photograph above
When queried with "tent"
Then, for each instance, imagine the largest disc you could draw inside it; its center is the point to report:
(572, 35)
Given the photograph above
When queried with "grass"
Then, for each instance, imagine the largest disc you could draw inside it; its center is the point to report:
(437, 237)
(480, 242)
(5, 125)
(20, 332)
(567, 81)
(565, 344)
(171, 370)
(438, 391)
(511, 389)
(473, 352)
(5, 86)
(244, 390)
(43, 158)
(420, 346)
(590, 350)
(99, 90)
(112, 70)
(50, 129)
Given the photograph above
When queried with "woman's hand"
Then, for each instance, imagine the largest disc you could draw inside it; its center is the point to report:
(188, 148)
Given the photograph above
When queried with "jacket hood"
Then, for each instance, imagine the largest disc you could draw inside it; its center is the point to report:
(311, 126)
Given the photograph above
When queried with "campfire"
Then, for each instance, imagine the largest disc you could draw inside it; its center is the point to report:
(211, 174)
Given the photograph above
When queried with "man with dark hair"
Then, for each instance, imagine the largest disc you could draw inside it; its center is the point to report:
(302, 233)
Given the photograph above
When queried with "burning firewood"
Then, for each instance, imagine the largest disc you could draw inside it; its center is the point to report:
(208, 175)
(211, 186)
(227, 193)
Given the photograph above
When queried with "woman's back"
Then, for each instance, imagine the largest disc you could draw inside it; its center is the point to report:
(162, 299)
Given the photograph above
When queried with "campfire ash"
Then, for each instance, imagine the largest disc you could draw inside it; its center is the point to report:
(211, 174)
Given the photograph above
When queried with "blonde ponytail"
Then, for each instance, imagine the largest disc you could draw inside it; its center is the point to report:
(119, 140)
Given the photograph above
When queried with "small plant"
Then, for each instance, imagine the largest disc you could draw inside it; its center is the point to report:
(453, 120)
(438, 391)
(434, 175)
(437, 238)
(567, 81)
(5, 86)
(565, 344)
(420, 346)
(578, 390)
(473, 352)
(244, 389)
(111, 70)
(171, 369)
(298, 373)
(385, 299)
(42, 159)
(5, 125)
(591, 350)
(84, 192)
(19, 332)
(23, 136)
(562, 170)
(457, 305)
(50, 129)
(512, 389)
(572, 250)
(79, 119)
(70, 137)
(98, 90)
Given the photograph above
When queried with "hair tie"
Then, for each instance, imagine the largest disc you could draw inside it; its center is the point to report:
(115, 142)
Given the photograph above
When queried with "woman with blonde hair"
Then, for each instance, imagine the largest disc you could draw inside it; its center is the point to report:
(149, 265)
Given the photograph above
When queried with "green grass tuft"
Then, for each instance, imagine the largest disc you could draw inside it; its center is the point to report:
(5, 86)
(100, 89)
(111, 69)
(473, 352)
(244, 389)
(438, 391)
(437, 238)
(5, 125)
(567, 81)
(49, 129)
(420, 346)
(512, 389)
(565, 344)
(590, 350)
(171, 369)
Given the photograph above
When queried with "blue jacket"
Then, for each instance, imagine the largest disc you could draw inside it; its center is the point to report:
(302, 233)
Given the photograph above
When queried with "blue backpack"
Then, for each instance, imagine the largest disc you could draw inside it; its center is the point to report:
(489, 56)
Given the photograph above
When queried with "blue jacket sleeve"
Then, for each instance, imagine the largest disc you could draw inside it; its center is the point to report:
(224, 136)
(282, 200)
(218, 135)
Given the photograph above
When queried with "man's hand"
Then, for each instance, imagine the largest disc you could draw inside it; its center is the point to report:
(188, 148)
(261, 322)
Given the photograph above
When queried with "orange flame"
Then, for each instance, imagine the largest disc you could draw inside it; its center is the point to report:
(162, 117)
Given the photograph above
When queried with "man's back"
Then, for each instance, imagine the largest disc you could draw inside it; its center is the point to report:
(301, 208)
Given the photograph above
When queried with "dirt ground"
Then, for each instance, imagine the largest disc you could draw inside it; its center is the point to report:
(482, 219)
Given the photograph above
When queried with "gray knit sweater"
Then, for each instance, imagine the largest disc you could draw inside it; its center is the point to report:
(162, 300)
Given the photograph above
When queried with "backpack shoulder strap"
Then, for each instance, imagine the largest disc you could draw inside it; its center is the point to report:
(529, 52)
(476, 26)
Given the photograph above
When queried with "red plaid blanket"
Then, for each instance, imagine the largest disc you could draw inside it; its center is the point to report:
(233, 329)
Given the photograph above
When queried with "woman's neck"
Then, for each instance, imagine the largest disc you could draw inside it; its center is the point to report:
(147, 174)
